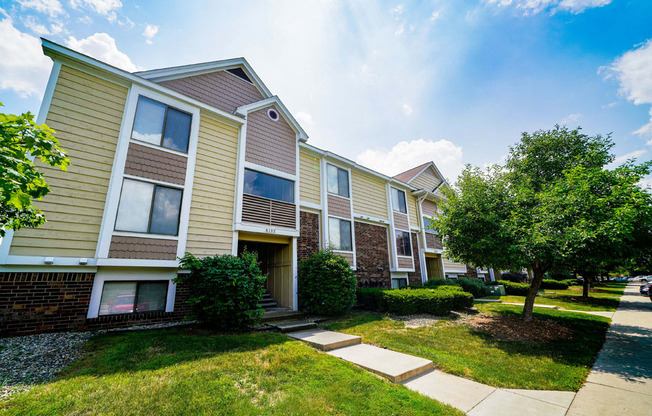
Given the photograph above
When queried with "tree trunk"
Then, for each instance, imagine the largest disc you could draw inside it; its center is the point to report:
(587, 282)
(538, 273)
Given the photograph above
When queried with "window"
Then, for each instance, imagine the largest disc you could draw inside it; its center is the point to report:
(427, 225)
(240, 73)
(132, 297)
(162, 125)
(148, 208)
(268, 186)
(403, 246)
(399, 283)
(339, 232)
(338, 181)
(272, 114)
(398, 201)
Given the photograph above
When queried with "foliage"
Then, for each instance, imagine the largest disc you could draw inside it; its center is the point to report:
(438, 301)
(224, 291)
(553, 284)
(473, 286)
(516, 277)
(554, 205)
(326, 283)
(435, 283)
(21, 139)
(517, 289)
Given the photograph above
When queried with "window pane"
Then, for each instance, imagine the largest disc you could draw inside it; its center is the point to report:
(117, 298)
(152, 296)
(403, 246)
(148, 124)
(334, 233)
(345, 235)
(332, 179)
(401, 201)
(135, 205)
(268, 186)
(395, 199)
(343, 182)
(177, 130)
(165, 214)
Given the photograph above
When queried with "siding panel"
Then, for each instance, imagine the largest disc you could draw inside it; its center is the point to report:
(428, 208)
(369, 196)
(412, 209)
(426, 180)
(159, 165)
(142, 248)
(405, 262)
(340, 207)
(86, 113)
(309, 183)
(210, 229)
(272, 144)
(400, 221)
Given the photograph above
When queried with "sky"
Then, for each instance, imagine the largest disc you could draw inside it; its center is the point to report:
(388, 84)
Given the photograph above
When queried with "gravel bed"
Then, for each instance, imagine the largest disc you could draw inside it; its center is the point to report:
(415, 321)
(32, 359)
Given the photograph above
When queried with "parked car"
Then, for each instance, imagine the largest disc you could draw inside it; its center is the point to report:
(645, 289)
(125, 304)
(621, 279)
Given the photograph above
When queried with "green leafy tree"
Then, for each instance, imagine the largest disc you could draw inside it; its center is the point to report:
(536, 213)
(22, 141)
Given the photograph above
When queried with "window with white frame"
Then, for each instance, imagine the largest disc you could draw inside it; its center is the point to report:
(339, 233)
(268, 186)
(159, 124)
(148, 208)
(338, 180)
(403, 244)
(123, 297)
(398, 201)
(427, 225)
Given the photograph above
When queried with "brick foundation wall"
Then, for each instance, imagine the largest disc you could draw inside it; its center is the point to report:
(415, 277)
(49, 302)
(372, 255)
(308, 241)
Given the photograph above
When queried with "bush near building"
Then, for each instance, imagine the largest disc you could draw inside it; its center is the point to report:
(511, 288)
(440, 301)
(468, 284)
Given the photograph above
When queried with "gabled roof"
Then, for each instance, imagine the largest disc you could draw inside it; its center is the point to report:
(244, 109)
(183, 71)
(410, 174)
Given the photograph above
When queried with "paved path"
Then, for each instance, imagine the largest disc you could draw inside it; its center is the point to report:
(620, 382)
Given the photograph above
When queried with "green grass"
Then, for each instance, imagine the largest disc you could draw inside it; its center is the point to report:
(601, 298)
(461, 350)
(192, 372)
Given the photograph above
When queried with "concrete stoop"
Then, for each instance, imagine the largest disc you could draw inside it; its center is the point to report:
(325, 340)
(293, 326)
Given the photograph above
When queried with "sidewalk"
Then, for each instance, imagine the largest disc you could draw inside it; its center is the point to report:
(620, 382)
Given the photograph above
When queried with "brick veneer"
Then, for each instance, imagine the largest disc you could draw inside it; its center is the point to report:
(372, 255)
(308, 241)
(415, 276)
(49, 302)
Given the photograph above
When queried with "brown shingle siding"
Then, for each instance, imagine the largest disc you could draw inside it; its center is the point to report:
(401, 221)
(142, 248)
(159, 165)
(270, 143)
(340, 207)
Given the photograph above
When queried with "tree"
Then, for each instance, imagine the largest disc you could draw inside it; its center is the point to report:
(22, 140)
(535, 212)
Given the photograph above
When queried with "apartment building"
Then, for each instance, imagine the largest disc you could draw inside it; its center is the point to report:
(203, 159)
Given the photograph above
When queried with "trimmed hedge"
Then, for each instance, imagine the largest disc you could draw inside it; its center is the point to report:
(554, 284)
(473, 286)
(515, 289)
(405, 302)
(435, 283)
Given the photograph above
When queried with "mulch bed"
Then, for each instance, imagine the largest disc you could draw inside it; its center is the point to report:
(509, 328)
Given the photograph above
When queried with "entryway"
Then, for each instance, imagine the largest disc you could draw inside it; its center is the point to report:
(434, 267)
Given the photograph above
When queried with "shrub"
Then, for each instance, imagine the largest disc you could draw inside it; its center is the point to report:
(434, 283)
(515, 277)
(516, 289)
(433, 301)
(371, 299)
(561, 276)
(553, 284)
(224, 290)
(326, 283)
(473, 286)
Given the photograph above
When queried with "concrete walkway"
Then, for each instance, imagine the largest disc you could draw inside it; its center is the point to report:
(620, 382)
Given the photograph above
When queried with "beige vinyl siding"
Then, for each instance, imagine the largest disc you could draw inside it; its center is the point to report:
(210, 228)
(369, 196)
(412, 209)
(86, 113)
(309, 178)
(426, 180)
(450, 266)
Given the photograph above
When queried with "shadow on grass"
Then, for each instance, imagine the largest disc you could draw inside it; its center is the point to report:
(130, 352)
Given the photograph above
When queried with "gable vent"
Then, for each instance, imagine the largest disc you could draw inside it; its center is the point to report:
(240, 73)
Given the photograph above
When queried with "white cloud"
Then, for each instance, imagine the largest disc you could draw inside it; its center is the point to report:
(406, 155)
(435, 15)
(103, 7)
(32, 24)
(149, 33)
(102, 46)
(532, 7)
(632, 70)
(571, 118)
(407, 110)
(649, 143)
(87, 20)
(398, 10)
(51, 7)
(631, 155)
(304, 118)
(23, 66)
(399, 30)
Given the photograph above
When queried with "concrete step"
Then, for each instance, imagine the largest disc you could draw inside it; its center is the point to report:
(294, 326)
(326, 340)
(267, 304)
(280, 314)
(395, 366)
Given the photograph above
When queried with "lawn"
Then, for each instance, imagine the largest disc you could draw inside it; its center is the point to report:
(601, 298)
(459, 349)
(192, 372)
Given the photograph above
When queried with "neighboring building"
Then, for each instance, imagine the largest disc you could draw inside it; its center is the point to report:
(203, 159)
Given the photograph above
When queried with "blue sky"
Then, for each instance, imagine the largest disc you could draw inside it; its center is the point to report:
(388, 84)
